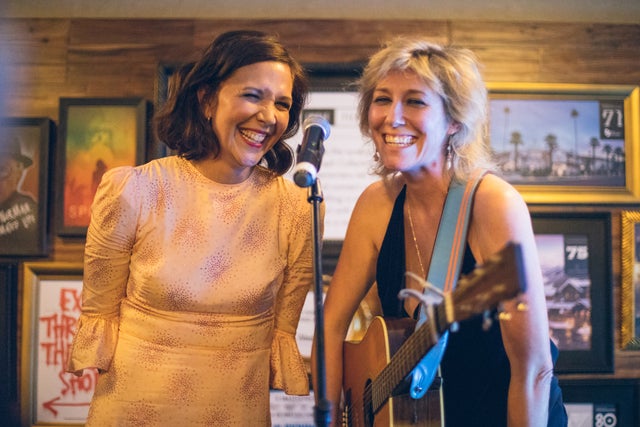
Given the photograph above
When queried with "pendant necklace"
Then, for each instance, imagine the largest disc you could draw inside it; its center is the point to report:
(415, 241)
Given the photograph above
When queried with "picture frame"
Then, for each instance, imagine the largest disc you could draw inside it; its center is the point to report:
(96, 134)
(8, 342)
(24, 219)
(602, 402)
(575, 257)
(630, 282)
(165, 75)
(567, 143)
(347, 162)
(51, 299)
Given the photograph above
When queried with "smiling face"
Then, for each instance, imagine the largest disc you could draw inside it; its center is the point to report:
(408, 123)
(249, 115)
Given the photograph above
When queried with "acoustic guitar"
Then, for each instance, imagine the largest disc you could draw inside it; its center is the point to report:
(376, 369)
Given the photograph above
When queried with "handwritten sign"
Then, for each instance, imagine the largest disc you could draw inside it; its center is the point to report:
(60, 396)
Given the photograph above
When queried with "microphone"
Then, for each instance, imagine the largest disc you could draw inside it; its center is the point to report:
(316, 130)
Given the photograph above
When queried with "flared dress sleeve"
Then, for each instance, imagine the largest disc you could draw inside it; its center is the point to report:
(288, 369)
(110, 237)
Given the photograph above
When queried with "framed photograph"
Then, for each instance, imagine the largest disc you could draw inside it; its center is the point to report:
(560, 143)
(96, 134)
(24, 194)
(630, 319)
(51, 299)
(8, 348)
(601, 402)
(575, 257)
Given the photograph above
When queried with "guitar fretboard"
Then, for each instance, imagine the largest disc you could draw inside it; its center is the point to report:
(402, 363)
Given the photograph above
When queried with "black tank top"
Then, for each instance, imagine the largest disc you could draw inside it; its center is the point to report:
(475, 367)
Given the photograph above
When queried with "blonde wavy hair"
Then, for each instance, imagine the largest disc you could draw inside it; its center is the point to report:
(451, 72)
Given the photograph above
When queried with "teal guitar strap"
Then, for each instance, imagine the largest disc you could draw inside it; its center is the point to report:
(444, 270)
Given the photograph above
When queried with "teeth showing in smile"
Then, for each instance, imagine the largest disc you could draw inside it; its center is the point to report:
(254, 137)
(398, 140)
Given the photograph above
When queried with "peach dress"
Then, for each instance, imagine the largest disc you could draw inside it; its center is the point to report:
(191, 297)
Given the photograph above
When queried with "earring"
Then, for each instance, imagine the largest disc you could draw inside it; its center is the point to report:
(449, 159)
(376, 156)
(209, 120)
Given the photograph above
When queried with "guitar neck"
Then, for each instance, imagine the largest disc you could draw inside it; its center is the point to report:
(407, 357)
(500, 278)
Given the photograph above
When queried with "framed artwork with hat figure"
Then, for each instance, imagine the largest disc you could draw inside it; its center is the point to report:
(25, 161)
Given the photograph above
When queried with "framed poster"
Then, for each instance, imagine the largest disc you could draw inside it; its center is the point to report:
(630, 302)
(24, 185)
(601, 402)
(96, 134)
(575, 257)
(51, 299)
(562, 143)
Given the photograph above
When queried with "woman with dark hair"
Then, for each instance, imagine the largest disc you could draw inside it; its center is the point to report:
(197, 265)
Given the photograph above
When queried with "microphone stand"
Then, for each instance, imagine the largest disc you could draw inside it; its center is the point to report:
(322, 409)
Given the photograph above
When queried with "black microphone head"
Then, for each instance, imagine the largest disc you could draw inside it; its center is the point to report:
(305, 174)
(317, 120)
(316, 129)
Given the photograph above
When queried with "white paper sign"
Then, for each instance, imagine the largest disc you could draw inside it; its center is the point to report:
(348, 158)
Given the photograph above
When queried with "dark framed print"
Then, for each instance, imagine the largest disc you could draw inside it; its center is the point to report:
(96, 134)
(563, 143)
(575, 257)
(8, 347)
(166, 79)
(601, 402)
(630, 301)
(50, 308)
(25, 165)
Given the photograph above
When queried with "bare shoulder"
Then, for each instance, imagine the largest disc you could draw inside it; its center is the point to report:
(372, 212)
(378, 196)
(494, 193)
(500, 215)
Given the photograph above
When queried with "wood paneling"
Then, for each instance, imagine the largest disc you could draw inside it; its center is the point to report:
(46, 59)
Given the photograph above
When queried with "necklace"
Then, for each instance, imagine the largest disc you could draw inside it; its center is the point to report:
(415, 241)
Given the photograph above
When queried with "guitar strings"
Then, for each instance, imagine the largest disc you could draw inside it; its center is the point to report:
(425, 285)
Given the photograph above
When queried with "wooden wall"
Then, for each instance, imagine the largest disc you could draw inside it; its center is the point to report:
(45, 59)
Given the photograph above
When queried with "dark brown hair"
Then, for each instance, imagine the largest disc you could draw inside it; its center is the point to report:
(181, 124)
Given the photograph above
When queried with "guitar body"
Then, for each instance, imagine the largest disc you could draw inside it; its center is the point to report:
(376, 375)
(363, 362)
